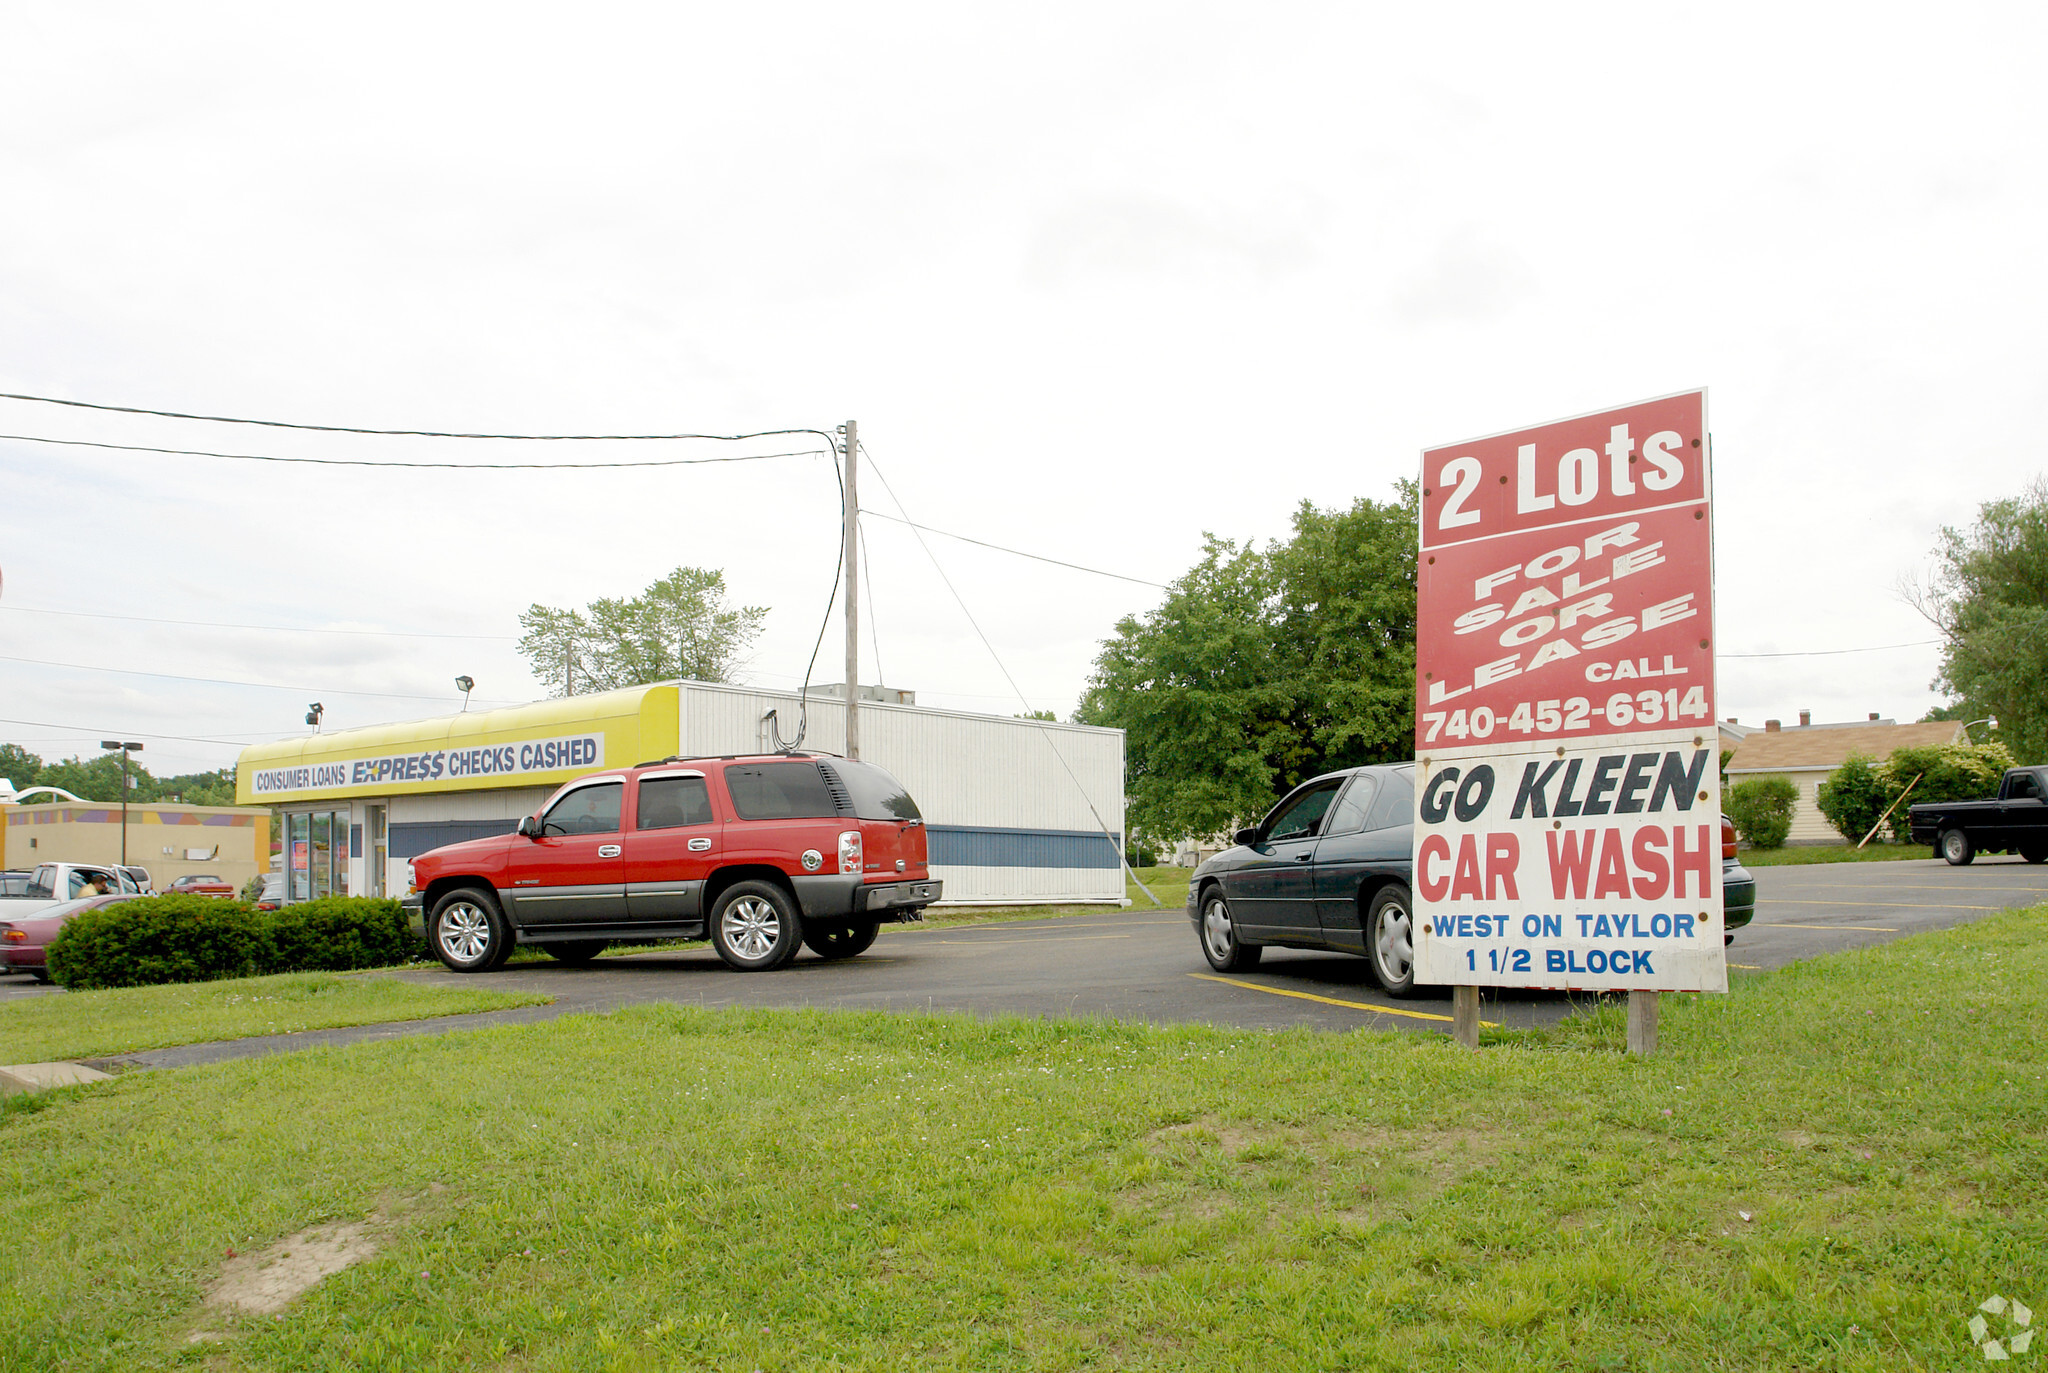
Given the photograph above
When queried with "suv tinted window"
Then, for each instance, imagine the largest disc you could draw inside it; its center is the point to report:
(587, 810)
(668, 803)
(778, 791)
(874, 794)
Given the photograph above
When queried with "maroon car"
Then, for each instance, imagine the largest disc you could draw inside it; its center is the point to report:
(200, 885)
(23, 941)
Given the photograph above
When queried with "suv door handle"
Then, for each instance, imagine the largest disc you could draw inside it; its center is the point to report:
(700, 846)
(607, 850)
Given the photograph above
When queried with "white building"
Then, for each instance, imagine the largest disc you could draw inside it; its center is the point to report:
(1017, 812)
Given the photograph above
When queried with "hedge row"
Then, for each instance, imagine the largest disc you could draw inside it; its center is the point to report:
(199, 939)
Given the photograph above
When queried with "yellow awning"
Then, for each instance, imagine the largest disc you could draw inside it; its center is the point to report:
(541, 744)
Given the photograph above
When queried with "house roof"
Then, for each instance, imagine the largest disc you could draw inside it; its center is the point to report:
(1829, 746)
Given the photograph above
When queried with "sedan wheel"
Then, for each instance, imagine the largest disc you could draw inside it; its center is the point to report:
(1390, 935)
(1219, 937)
(756, 927)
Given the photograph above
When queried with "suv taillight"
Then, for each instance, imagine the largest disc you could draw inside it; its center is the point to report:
(849, 851)
(1727, 837)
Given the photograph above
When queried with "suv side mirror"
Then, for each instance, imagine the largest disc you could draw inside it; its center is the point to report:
(527, 826)
(1247, 837)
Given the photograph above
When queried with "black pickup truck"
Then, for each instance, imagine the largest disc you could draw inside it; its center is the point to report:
(2016, 822)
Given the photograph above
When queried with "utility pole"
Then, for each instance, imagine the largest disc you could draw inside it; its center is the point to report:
(852, 537)
(126, 749)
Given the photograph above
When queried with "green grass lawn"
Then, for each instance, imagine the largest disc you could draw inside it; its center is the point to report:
(46, 1029)
(1828, 1168)
(1832, 853)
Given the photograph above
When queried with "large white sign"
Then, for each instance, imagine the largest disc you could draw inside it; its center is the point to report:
(430, 765)
(1568, 814)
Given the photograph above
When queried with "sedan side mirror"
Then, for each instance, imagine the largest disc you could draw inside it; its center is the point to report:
(1246, 837)
(527, 826)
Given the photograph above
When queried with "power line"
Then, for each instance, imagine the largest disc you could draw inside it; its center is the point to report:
(271, 629)
(83, 729)
(405, 433)
(1017, 552)
(457, 466)
(224, 681)
(1831, 652)
(1087, 800)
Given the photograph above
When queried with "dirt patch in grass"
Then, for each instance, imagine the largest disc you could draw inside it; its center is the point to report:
(271, 1279)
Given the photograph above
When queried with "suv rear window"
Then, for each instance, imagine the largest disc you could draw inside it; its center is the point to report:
(673, 802)
(779, 791)
(874, 793)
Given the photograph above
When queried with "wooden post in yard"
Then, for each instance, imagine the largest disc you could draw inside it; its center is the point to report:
(1642, 1023)
(1465, 1016)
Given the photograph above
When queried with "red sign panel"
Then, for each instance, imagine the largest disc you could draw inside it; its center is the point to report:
(1539, 622)
(1636, 458)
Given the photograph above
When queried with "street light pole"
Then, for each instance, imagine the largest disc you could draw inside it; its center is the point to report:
(126, 749)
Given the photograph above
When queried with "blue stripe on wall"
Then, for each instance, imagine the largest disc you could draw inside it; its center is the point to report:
(953, 846)
(412, 840)
(974, 846)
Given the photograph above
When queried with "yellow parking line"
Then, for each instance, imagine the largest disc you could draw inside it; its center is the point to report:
(1893, 905)
(1866, 929)
(1333, 1001)
(1059, 939)
(1748, 967)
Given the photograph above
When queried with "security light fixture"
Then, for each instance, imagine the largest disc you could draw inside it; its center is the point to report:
(313, 714)
(465, 684)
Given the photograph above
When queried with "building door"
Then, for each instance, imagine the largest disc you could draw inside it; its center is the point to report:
(375, 848)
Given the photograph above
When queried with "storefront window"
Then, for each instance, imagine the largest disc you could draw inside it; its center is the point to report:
(301, 857)
(323, 855)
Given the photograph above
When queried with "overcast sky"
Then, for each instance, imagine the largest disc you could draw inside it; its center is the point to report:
(1093, 279)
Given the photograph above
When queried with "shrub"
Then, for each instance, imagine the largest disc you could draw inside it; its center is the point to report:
(1948, 772)
(1854, 795)
(200, 939)
(1761, 808)
(162, 939)
(340, 933)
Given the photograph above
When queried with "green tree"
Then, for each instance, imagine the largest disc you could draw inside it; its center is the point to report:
(1761, 808)
(1265, 667)
(215, 788)
(19, 766)
(99, 778)
(681, 626)
(1988, 595)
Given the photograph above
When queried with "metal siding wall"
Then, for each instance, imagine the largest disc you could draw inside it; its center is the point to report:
(505, 803)
(983, 771)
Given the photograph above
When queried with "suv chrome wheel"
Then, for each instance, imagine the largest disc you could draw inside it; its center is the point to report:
(751, 925)
(468, 933)
(755, 926)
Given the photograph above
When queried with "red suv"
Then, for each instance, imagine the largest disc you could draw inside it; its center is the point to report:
(761, 854)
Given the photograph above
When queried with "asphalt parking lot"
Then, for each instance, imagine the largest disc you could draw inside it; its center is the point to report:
(1144, 964)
